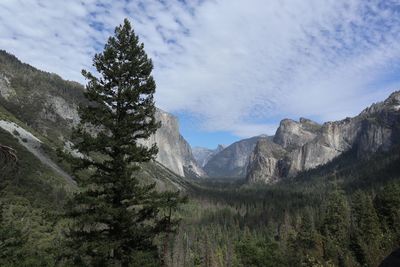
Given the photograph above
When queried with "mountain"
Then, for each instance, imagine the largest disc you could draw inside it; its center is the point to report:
(174, 151)
(47, 105)
(304, 145)
(291, 134)
(203, 155)
(232, 161)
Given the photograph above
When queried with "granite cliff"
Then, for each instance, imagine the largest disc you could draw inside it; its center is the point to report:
(303, 145)
(231, 162)
(174, 151)
(203, 155)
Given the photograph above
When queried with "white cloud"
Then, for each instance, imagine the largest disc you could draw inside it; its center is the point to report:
(237, 65)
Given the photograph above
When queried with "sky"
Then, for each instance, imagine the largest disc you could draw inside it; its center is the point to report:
(228, 69)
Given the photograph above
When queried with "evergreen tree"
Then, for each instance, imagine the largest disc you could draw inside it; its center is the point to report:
(387, 203)
(306, 237)
(366, 232)
(258, 252)
(308, 241)
(115, 217)
(12, 242)
(336, 219)
(335, 227)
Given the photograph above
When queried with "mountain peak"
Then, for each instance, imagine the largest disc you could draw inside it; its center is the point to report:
(291, 134)
(220, 148)
(393, 101)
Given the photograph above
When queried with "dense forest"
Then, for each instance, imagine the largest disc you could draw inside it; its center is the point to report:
(342, 214)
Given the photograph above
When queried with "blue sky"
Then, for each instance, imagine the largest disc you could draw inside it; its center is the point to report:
(229, 69)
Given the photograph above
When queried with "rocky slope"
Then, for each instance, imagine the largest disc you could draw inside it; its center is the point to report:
(174, 151)
(232, 161)
(34, 146)
(303, 145)
(48, 104)
(203, 155)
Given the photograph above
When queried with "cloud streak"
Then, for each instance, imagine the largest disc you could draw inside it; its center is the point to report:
(237, 66)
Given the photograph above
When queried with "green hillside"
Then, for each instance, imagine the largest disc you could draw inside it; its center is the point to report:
(33, 194)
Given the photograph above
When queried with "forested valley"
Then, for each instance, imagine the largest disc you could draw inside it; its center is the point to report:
(99, 176)
(342, 214)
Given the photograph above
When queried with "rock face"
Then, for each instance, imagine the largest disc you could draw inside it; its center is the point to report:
(303, 145)
(203, 155)
(174, 152)
(232, 161)
(292, 134)
(5, 89)
(267, 164)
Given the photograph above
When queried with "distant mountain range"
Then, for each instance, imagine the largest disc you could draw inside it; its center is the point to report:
(302, 145)
(231, 162)
(43, 107)
(203, 155)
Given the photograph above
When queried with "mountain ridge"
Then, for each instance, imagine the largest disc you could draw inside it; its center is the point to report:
(375, 129)
(203, 154)
(48, 104)
(232, 160)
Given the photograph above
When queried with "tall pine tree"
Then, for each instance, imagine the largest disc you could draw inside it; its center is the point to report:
(115, 217)
(335, 228)
(366, 231)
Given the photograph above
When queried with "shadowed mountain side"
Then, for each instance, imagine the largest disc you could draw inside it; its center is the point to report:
(232, 161)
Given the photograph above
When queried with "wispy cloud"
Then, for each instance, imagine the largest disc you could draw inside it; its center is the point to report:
(238, 66)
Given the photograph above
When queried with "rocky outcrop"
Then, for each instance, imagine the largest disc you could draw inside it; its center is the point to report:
(6, 90)
(58, 107)
(174, 152)
(203, 155)
(267, 163)
(307, 145)
(232, 161)
(292, 134)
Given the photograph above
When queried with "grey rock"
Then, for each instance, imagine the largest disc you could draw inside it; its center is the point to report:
(292, 134)
(203, 155)
(232, 161)
(62, 108)
(266, 162)
(174, 152)
(6, 91)
(307, 145)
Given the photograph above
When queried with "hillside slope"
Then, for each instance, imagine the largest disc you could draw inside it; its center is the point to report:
(48, 105)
